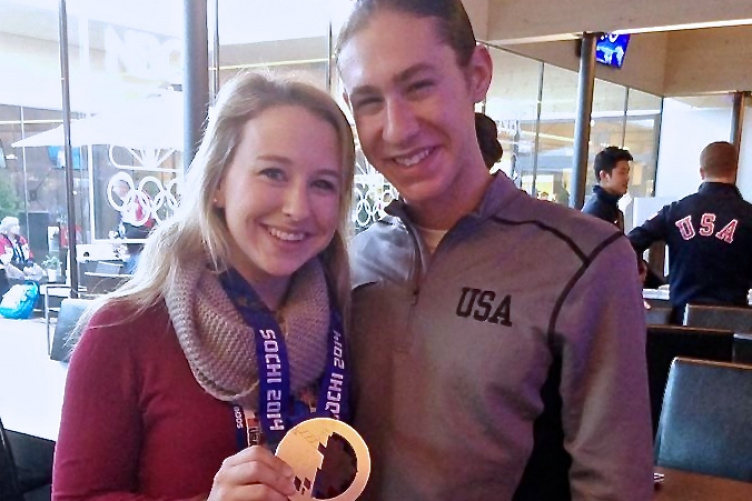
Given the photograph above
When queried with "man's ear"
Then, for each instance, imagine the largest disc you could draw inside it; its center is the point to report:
(480, 71)
(702, 173)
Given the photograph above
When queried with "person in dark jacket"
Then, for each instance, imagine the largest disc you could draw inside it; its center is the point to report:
(709, 236)
(612, 172)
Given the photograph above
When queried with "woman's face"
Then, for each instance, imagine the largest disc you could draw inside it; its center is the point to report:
(413, 104)
(280, 193)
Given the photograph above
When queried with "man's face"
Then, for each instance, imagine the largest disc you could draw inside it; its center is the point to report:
(413, 104)
(616, 183)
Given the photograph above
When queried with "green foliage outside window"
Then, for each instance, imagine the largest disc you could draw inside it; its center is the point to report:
(10, 204)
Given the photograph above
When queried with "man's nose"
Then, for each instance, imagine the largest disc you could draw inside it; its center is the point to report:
(401, 124)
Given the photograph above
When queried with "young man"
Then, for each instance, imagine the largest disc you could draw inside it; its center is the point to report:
(709, 236)
(612, 174)
(498, 341)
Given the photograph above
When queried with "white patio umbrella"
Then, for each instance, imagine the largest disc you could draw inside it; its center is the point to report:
(155, 122)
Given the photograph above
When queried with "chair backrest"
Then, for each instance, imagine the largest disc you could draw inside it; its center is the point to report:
(109, 267)
(9, 488)
(666, 342)
(735, 318)
(742, 348)
(705, 422)
(658, 315)
(70, 312)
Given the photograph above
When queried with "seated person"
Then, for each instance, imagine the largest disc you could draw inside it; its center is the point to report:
(16, 258)
(709, 236)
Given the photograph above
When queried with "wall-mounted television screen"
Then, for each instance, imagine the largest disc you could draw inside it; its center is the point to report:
(610, 49)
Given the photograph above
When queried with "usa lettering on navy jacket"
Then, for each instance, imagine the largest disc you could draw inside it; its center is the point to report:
(709, 237)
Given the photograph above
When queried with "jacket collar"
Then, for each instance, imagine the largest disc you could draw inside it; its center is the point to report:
(606, 196)
(499, 194)
(715, 188)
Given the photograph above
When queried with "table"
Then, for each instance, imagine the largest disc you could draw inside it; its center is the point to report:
(686, 486)
(661, 294)
(31, 392)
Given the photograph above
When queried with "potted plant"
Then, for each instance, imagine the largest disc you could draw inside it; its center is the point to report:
(52, 264)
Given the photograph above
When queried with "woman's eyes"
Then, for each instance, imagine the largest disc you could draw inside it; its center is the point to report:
(274, 174)
(279, 175)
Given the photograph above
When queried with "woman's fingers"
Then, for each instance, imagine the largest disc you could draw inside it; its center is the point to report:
(253, 474)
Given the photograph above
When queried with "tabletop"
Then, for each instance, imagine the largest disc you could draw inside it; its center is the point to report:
(687, 486)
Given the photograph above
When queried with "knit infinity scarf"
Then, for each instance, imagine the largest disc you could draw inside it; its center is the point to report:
(220, 346)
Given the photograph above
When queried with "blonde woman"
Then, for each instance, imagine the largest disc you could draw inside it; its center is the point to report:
(185, 378)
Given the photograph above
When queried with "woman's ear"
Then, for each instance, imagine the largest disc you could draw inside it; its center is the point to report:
(218, 202)
(480, 71)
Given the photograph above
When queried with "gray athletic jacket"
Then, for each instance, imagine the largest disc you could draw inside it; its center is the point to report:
(510, 365)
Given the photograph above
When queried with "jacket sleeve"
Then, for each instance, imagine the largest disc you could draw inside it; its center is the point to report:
(605, 401)
(97, 453)
(6, 250)
(653, 230)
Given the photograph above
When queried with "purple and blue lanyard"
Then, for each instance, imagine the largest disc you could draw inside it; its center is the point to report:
(276, 412)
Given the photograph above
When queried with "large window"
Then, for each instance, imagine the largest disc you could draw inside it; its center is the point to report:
(512, 103)
(535, 105)
(32, 183)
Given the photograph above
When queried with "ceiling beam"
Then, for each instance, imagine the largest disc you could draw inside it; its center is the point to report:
(515, 21)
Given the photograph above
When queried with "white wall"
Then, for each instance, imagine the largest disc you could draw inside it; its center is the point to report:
(744, 180)
(644, 63)
(684, 133)
(715, 60)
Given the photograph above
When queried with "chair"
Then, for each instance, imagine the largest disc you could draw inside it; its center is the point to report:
(666, 342)
(704, 426)
(742, 348)
(27, 475)
(735, 318)
(658, 315)
(67, 319)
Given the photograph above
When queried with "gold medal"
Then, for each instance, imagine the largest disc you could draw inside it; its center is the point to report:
(304, 448)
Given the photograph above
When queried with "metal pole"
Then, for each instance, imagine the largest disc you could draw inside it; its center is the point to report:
(624, 117)
(737, 118)
(585, 88)
(215, 63)
(536, 140)
(65, 79)
(657, 142)
(329, 57)
(195, 76)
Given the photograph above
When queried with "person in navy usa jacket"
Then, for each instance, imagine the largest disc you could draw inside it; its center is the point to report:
(709, 236)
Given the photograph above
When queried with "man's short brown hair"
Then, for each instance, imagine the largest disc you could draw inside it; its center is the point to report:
(719, 159)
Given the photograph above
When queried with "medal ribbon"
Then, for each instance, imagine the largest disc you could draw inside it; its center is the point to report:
(274, 366)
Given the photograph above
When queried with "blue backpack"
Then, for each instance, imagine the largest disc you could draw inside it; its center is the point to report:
(19, 301)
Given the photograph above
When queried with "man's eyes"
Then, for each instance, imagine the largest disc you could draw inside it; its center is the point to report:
(420, 85)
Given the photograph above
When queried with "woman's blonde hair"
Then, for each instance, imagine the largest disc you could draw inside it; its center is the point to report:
(198, 229)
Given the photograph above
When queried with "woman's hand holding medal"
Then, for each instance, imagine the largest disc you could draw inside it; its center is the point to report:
(253, 474)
